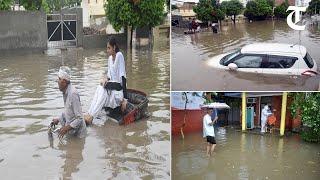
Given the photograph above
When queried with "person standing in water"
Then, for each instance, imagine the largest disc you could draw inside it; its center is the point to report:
(71, 119)
(265, 113)
(208, 131)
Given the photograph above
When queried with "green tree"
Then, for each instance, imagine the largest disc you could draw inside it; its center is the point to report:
(204, 11)
(134, 13)
(31, 5)
(307, 105)
(214, 3)
(45, 6)
(314, 7)
(272, 3)
(258, 10)
(251, 8)
(232, 8)
(209, 97)
(220, 15)
(280, 11)
(54, 5)
(5, 4)
(208, 10)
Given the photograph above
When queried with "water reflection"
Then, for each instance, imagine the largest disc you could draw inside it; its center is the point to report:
(243, 142)
(191, 52)
(73, 156)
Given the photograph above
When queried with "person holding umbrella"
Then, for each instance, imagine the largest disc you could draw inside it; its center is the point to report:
(208, 130)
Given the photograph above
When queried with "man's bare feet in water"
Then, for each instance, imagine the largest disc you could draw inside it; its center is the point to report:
(88, 119)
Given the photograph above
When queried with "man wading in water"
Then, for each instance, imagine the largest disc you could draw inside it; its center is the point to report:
(208, 131)
(71, 119)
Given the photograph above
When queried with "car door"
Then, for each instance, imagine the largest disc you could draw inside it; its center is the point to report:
(279, 65)
(250, 63)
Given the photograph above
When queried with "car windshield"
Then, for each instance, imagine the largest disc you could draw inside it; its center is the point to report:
(229, 57)
(307, 58)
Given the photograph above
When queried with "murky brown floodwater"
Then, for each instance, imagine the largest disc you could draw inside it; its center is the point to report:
(245, 156)
(191, 52)
(29, 98)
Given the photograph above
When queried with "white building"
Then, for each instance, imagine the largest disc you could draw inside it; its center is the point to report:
(92, 9)
(185, 8)
(94, 16)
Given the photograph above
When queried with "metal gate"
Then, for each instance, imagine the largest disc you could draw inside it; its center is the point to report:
(62, 30)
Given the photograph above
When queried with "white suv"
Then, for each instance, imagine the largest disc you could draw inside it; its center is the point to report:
(268, 58)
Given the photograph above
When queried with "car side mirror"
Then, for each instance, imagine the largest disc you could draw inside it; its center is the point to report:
(233, 66)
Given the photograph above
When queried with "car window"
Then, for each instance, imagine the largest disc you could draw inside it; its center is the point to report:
(249, 61)
(279, 62)
(307, 58)
(226, 60)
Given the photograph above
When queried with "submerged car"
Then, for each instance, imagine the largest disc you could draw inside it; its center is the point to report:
(268, 58)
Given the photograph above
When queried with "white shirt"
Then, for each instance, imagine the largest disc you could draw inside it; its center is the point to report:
(208, 130)
(116, 68)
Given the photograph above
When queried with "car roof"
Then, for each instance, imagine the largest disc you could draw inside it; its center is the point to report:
(275, 49)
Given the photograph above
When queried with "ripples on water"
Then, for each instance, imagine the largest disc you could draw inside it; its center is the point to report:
(244, 156)
(29, 98)
(191, 52)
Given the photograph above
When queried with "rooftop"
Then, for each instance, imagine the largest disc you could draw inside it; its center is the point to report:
(275, 49)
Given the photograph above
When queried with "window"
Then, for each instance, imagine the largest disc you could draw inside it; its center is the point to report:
(279, 62)
(249, 61)
(226, 60)
(307, 58)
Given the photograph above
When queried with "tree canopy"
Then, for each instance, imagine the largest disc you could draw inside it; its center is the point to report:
(258, 10)
(5, 4)
(232, 8)
(307, 105)
(281, 11)
(314, 7)
(208, 10)
(134, 13)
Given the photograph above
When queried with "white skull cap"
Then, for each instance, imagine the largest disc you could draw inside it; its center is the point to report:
(64, 73)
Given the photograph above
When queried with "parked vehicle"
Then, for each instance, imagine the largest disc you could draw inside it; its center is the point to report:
(268, 58)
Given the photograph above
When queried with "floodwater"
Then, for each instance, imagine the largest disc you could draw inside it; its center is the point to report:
(190, 54)
(245, 156)
(29, 98)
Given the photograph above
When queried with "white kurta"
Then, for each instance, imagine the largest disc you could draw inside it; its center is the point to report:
(112, 98)
(116, 68)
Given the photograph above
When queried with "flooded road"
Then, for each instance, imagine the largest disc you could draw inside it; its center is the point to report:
(190, 54)
(245, 156)
(29, 98)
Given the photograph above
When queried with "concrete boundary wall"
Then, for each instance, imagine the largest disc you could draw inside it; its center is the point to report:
(23, 30)
(27, 31)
